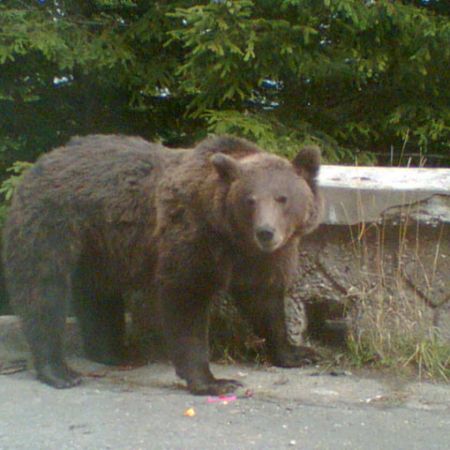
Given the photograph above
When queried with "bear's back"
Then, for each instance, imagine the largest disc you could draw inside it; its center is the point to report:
(98, 160)
(94, 168)
(95, 180)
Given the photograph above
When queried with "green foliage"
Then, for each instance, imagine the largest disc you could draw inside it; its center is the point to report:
(9, 185)
(360, 78)
(359, 73)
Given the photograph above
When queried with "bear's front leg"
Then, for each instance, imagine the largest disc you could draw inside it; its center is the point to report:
(187, 278)
(186, 329)
(191, 269)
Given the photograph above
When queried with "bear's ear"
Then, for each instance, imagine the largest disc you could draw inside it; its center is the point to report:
(227, 167)
(307, 164)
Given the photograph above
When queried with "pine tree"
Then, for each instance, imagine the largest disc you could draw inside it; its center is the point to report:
(366, 79)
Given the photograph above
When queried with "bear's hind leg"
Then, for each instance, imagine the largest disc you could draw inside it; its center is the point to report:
(43, 325)
(101, 316)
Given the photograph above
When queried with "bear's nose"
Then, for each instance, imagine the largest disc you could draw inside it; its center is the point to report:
(265, 234)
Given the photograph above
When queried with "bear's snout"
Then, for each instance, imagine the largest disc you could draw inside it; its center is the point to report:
(265, 234)
(267, 238)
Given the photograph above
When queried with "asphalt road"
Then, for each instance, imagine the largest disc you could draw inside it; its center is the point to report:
(145, 408)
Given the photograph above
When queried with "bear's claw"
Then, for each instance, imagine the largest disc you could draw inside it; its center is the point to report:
(214, 387)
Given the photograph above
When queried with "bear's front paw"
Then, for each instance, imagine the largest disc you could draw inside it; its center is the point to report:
(213, 387)
(295, 356)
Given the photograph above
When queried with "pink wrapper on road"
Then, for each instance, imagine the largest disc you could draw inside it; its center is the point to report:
(222, 399)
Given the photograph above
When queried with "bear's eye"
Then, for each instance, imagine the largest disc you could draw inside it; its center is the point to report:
(281, 199)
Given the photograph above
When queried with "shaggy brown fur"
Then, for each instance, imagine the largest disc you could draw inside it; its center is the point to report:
(107, 215)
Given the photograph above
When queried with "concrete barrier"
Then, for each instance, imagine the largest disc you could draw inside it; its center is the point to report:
(384, 244)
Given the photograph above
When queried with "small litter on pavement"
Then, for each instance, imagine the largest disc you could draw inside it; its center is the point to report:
(190, 412)
(224, 399)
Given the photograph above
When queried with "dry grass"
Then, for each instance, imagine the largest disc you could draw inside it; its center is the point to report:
(392, 324)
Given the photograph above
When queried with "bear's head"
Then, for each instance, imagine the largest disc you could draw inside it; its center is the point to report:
(269, 199)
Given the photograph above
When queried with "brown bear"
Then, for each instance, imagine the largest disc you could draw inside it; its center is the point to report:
(108, 215)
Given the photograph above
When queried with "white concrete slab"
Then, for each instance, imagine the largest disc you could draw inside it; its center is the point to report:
(370, 194)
